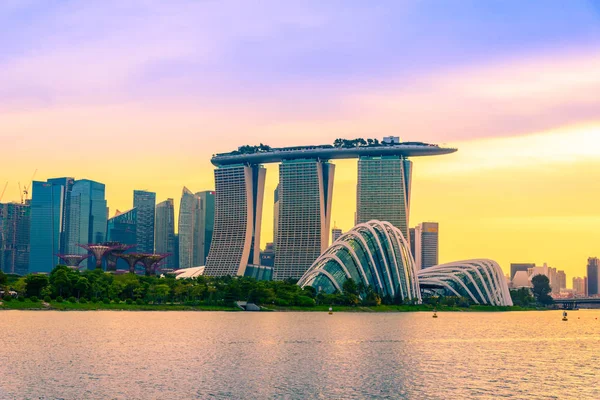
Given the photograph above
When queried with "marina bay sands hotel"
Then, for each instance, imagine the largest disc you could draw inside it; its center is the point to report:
(304, 197)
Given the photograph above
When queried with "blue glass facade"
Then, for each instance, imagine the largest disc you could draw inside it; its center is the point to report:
(145, 202)
(87, 216)
(47, 207)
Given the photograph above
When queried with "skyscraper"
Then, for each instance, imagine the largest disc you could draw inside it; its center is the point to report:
(185, 228)
(579, 286)
(145, 203)
(67, 184)
(164, 233)
(238, 213)
(14, 238)
(335, 233)
(412, 240)
(87, 216)
(121, 227)
(305, 194)
(383, 190)
(47, 208)
(203, 226)
(562, 279)
(275, 215)
(593, 276)
(426, 245)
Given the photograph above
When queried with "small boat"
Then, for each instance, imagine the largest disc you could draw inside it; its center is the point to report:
(330, 311)
(564, 318)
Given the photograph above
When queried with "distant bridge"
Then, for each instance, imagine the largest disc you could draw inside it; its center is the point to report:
(572, 303)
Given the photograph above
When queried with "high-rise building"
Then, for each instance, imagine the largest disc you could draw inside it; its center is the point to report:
(515, 267)
(14, 238)
(87, 216)
(164, 231)
(275, 215)
(145, 202)
(579, 286)
(204, 225)
(121, 228)
(67, 184)
(562, 279)
(47, 208)
(305, 194)
(383, 190)
(593, 276)
(426, 245)
(335, 234)
(238, 212)
(413, 239)
(185, 228)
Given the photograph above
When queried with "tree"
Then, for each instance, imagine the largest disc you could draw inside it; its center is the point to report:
(82, 286)
(3, 278)
(351, 293)
(521, 297)
(541, 289)
(35, 284)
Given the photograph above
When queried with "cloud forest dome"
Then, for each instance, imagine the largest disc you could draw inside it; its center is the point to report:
(374, 253)
(480, 280)
(341, 149)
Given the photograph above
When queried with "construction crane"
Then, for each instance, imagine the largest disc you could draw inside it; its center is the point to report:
(26, 187)
(3, 190)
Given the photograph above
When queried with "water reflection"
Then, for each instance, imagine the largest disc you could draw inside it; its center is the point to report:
(298, 355)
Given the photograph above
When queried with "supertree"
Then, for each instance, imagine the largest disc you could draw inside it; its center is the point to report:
(132, 259)
(151, 260)
(73, 260)
(113, 256)
(98, 250)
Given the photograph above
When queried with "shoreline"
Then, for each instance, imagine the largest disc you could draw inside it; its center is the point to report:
(66, 306)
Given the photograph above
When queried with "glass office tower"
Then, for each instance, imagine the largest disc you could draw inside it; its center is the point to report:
(204, 226)
(164, 234)
(47, 207)
(383, 191)
(87, 216)
(185, 228)
(305, 194)
(145, 203)
(121, 228)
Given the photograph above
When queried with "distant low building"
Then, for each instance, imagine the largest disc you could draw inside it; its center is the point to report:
(515, 267)
(267, 256)
(521, 279)
(579, 286)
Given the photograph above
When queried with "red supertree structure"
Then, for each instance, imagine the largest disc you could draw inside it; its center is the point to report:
(73, 260)
(151, 262)
(132, 259)
(113, 256)
(98, 250)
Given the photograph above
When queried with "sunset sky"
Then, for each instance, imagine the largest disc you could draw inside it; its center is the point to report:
(139, 94)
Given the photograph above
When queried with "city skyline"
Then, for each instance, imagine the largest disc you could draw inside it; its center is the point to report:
(521, 107)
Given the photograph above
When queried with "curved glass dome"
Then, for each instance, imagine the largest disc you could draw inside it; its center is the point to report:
(374, 253)
(480, 280)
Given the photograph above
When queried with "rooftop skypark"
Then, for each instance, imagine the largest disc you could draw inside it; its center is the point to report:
(340, 149)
